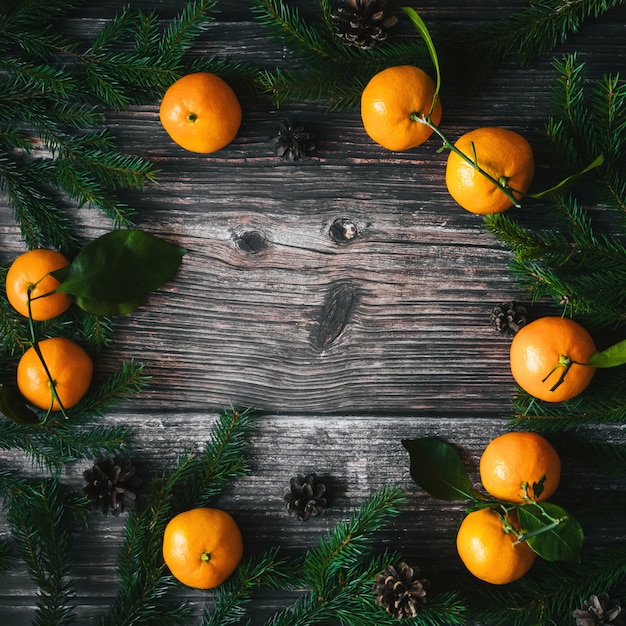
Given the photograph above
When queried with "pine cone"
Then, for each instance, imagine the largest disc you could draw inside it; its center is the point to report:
(293, 142)
(363, 23)
(399, 590)
(508, 317)
(111, 484)
(599, 610)
(306, 497)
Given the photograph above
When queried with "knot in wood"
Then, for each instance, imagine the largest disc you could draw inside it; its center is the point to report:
(252, 241)
(343, 230)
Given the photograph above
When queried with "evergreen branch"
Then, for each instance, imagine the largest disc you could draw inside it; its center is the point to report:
(183, 30)
(264, 571)
(525, 36)
(129, 379)
(340, 568)
(327, 69)
(42, 522)
(142, 573)
(549, 593)
(7, 559)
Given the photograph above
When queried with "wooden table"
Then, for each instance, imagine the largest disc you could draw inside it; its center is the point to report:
(345, 347)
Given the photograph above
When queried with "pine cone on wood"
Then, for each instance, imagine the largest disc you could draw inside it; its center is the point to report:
(112, 484)
(507, 318)
(306, 497)
(293, 141)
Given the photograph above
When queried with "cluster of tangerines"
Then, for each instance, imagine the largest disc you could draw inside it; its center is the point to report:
(54, 373)
(515, 468)
(488, 169)
(202, 546)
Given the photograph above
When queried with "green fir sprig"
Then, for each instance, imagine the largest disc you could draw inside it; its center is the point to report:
(43, 518)
(54, 142)
(548, 594)
(196, 479)
(576, 262)
(325, 69)
(525, 36)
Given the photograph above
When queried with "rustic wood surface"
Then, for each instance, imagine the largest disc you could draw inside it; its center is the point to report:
(344, 347)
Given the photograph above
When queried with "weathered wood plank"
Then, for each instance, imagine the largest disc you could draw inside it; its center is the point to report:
(346, 346)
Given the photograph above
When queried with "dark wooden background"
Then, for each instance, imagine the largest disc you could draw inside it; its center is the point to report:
(345, 348)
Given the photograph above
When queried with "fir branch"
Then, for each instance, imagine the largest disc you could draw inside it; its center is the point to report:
(326, 69)
(142, 573)
(525, 36)
(130, 378)
(7, 557)
(42, 522)
(264, 571)
(549, 593)
(340, 568)
(63, 87)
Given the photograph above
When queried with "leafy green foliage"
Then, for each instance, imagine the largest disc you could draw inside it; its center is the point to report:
(549, 530)
(116, 272)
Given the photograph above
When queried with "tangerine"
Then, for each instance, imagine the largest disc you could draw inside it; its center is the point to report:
(200, 112)
(548, 358)
(512, 464)
(503, 154)
(31, 273)
(488, 551)
(202, 547)
(70, 367)
(391, 102)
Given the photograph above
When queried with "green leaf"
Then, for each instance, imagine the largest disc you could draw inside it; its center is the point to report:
(551, 531)
(437, 468)
(116, 272)
(419, 23)
(611, 357)
(569, 181)
(13, 405)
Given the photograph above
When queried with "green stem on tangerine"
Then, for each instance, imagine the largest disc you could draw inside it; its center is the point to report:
(35, 344)
(566, 363)
(501, 183)
(205, 557)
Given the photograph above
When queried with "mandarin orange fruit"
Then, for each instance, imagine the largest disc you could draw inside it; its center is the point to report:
(392, 100)
(201, 112)
(202, 547)
(70, 367)
(503, 154)
(30, 273)
(512, 463)
(489, 552)
(548, 358)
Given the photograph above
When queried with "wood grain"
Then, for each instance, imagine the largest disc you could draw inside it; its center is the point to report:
(346, 297)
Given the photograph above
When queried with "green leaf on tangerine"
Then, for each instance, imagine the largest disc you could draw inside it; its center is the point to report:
(551, 531)
(438, 469)
(115, 272)
(611, 357)
(13, 405)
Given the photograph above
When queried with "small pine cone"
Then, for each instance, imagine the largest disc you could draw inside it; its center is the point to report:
(599, 610)
(399, 591)
(508, 317)
(363, 23)
(293, 142)
(111, 484)
(306, 497)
